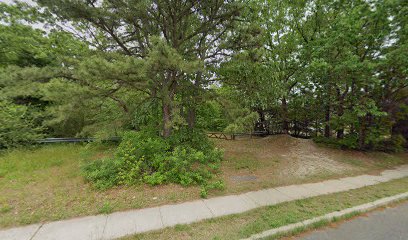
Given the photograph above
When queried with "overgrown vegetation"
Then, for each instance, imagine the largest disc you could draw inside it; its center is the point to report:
(396, 143)
(187, 158)
(17, 125)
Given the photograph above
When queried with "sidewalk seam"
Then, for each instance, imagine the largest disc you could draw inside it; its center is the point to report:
(161, 217)
(35, 233)
(290, 197)
(104, 226)
(208, 208)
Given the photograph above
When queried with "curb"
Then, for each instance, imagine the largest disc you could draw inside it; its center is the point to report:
(329, 217)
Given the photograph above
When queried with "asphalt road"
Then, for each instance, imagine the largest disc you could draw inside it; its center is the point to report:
(388, 224)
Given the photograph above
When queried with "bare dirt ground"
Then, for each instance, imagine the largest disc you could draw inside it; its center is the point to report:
(282, 160)
(305, 159)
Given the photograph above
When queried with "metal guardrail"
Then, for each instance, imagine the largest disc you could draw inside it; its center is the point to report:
(219, 135)
(75, 140)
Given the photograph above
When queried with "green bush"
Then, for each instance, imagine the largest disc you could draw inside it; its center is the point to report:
(330, 142)
(348, 142)
(102, 173)
(16, 125)
(192, 138)
(186, 158)
(394, 144)
(243, 124)
(211, 116)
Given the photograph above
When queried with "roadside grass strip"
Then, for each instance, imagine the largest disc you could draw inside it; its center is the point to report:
(287, 217)
(317, 222)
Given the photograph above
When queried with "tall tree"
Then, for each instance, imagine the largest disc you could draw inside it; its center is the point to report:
(173, 37)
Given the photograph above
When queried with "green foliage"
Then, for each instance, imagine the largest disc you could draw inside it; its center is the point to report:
(211, 116)
(187, 158)
(331, 142)
(396, 143)
(205, 188)
(243, 124)
(102, 173)
(16, 125)
(306, 67)
(348, 142)
(192, 138)
(106, 208)
(138, 154)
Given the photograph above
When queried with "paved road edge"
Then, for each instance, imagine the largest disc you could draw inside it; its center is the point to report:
(329, 217)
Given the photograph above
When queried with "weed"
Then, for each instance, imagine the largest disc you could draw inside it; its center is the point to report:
(106, 208)
(5, 208)
(182, 227)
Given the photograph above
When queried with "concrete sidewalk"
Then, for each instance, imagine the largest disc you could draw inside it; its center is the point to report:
(120, 224)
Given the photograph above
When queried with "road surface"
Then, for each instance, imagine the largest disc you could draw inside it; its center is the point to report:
(388, 224)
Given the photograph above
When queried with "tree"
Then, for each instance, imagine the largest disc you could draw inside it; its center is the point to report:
(173, 38)
(325, 65)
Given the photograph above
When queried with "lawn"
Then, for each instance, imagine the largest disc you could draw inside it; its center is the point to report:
(45, 183)
(243, 225)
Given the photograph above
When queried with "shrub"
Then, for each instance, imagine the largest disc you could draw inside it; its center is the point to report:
(186, 158)
(330, 142)
(211, 117)
(394, 144)
(348, 142)
(102, 173)
(16, 125)
(192, 138)
(243, 124)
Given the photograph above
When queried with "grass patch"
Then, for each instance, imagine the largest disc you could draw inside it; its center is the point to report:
(106, 208)
(5, 209)
(354, 162)
(182, 227)
(313, 226)
(265, 218)
(45, 183)
(386, 160)
(245, 163)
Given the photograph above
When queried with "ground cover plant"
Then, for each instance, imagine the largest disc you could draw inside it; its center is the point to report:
(187, 158)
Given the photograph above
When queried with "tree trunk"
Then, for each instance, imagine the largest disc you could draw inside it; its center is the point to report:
(340, 133)
(169, 89)
(362, 133)
(191, 117)
(191, 112)
(166, 119)
(327, 120)
(285, 116)
(340, 112)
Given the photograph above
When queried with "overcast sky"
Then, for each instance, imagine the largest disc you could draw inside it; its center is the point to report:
(6, 1)
(10, 1)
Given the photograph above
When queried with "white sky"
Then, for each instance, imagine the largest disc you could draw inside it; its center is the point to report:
(10, 1)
